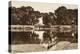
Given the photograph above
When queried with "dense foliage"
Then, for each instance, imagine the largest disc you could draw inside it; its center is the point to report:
(28, 16)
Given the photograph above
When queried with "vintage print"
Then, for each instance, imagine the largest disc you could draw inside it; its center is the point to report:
(38, 27)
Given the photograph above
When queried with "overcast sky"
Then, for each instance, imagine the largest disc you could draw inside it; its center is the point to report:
(42, 7)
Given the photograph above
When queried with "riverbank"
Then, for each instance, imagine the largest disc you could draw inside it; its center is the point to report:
(63, 45)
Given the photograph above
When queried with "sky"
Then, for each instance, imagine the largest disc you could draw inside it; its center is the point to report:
(42, 7)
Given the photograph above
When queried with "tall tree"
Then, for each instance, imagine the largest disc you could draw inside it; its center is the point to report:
(61, 13)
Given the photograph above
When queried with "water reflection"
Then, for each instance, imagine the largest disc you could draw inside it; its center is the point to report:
(39, 37)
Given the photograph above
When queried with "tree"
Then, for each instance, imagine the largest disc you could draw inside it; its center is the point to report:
(66, 16)
(61, 13)
(46, 19)
(52, 18)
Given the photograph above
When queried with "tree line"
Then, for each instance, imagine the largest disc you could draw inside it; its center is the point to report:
(28, 16)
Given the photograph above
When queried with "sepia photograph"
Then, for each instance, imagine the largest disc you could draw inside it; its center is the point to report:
(38, 27)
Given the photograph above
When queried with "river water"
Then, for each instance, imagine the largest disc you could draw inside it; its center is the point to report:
(43, 36)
